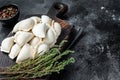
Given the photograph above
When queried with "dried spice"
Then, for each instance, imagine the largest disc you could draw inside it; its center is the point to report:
(8, 12)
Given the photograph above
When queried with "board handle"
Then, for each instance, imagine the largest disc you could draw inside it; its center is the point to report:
(58, 9)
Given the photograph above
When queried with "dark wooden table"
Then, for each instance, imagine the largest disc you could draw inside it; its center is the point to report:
(98, 50)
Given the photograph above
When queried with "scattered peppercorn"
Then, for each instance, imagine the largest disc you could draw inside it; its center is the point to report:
(8, 12)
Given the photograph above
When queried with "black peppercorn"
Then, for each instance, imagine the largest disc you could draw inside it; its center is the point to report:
(8, 12)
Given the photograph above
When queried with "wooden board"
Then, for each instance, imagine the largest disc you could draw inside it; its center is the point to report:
(5, 61)
(66, 29)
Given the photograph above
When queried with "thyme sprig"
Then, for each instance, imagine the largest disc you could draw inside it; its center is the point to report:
(42, 65)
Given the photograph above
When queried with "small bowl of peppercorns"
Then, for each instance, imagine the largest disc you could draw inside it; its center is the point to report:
(9, 15)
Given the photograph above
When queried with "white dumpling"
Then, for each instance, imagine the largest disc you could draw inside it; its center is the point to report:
(52, 45)
(36, 19)
(56, 36)
(6, 44)
(16, 34)
(23, 37)
(26, 52)
(40, 30)
(14, 51)
(57, 28)
(24, 25)
(55, 33)
(16, 28)
(50, 37)
(35, 41)
(52, 27)
(42, 49)
(46, 19)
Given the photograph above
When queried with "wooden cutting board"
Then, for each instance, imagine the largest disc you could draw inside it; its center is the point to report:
(56, 11)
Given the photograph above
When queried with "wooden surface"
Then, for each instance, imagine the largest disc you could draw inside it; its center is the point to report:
(5, 61)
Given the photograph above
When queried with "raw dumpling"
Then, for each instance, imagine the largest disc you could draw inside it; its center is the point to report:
(36, 19)
(40, 30)
(17, 33)
(55, 33)
(26, 52)
(42, 49)
(52, 45)
(50, 37)
(35, 41)
(24, 25)
(23, 37)
(6, 44)
(14, 51)
(57, 28)
(46, 19)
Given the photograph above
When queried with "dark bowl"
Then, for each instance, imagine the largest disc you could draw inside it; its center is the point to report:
(12, 20)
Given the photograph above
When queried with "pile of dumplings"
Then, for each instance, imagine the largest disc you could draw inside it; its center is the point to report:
(33, 37)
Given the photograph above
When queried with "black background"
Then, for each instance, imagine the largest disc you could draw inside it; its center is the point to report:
(98, 50)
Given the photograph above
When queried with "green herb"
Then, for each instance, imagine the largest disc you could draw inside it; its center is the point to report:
(43, 65)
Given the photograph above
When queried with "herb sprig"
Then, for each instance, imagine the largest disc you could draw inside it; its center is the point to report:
(43, 65)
